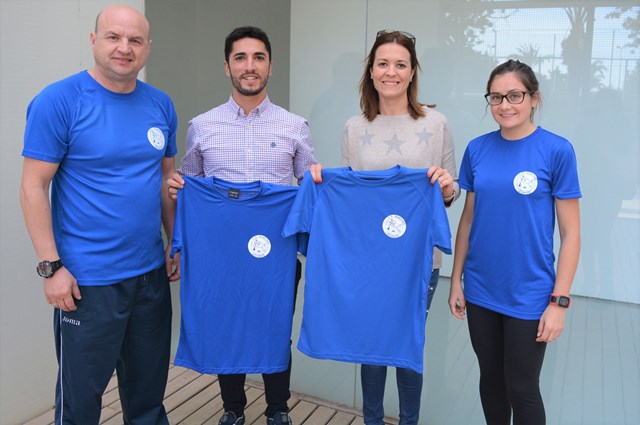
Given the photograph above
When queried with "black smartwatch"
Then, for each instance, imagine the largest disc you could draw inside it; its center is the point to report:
(46, 268)
(560, 301)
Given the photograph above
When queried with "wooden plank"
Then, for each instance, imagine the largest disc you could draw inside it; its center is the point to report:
(342, 418)
(46, 418)
(183, 411)
(302, 411)
(321, 416)
(358, 420)
(176, 371)
(109, 416)
(113, 383)
(110, 396)
(188, 391)
(180, 381)
(254, 412)
(214, 412)
(208, 414)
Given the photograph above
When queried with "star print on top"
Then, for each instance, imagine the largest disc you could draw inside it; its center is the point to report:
(390, 140)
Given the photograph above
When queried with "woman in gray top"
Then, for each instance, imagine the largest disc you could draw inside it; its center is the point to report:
(395, 128)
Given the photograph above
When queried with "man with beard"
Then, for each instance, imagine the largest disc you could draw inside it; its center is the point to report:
(245, 140)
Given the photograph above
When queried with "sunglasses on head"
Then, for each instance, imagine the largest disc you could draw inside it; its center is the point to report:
(406, 34)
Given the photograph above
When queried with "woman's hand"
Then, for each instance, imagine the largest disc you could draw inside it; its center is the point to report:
(441, 175)
(457, 303)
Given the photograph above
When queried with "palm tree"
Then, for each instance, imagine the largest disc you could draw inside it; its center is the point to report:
(529, 54)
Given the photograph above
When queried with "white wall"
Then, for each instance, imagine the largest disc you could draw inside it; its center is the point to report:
(40, 42)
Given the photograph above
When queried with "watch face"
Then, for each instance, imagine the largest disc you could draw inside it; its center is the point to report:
(44, 269)
(563, 301)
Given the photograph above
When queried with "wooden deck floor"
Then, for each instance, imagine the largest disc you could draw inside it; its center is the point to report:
(194, 399)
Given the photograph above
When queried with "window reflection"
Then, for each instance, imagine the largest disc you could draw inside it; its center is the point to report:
(587, 60)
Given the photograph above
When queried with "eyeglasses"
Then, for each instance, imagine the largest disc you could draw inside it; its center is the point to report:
(513, 97)
(406, 34)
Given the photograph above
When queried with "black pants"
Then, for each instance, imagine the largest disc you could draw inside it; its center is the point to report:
(276, 385)
(510, 363)
(126, 327)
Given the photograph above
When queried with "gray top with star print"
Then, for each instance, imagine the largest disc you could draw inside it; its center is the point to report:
(399, 139)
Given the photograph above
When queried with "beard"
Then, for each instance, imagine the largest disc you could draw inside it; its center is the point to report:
(254, 91)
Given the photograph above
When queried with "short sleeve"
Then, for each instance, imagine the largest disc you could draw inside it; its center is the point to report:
(301, 214)
(565, 183)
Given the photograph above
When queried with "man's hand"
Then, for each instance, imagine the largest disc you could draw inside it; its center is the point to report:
(61, 290)
(175, 182)
(173, 265)
(316, 173)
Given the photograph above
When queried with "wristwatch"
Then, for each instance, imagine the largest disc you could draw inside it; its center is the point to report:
(46, 268)
(560, 300)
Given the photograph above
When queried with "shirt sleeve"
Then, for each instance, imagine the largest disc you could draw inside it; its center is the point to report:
(304, 157)
(440, 230)
(192, 162)
(301, 214)
(466, 172)
(172, 146)
(345, 146)
(449, 158)
(45, 135)
(565, 183)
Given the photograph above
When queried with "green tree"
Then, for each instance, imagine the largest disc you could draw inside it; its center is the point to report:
(631, 23)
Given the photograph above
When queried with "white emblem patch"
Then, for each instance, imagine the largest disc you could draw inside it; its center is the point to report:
(259, 246)
(394, 226)
(156, 137)
(525, 183)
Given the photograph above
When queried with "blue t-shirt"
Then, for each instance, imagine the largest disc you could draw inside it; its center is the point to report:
(238, 276)
(105, 195)
(369, 261)
(510, 263)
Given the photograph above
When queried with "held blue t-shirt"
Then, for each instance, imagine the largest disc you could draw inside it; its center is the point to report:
(105, 196)
(237, 276)
(510, 263)
(369, 261)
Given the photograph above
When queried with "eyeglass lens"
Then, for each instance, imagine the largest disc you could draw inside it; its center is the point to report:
(512, 97)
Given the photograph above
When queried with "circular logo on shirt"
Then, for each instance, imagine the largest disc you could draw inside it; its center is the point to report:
(394, 226)
(156, 137)
(525, 183)
(259, 246)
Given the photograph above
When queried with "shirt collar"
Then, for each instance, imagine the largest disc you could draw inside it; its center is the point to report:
(258, 111)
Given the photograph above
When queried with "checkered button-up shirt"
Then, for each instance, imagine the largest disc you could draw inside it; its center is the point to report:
(270, 144)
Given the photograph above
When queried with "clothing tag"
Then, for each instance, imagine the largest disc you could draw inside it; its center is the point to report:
(234, 193)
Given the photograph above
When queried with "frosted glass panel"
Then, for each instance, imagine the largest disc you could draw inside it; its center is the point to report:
(586, 55)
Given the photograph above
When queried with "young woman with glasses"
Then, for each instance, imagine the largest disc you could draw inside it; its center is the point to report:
(395, 128)
(519, 180)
